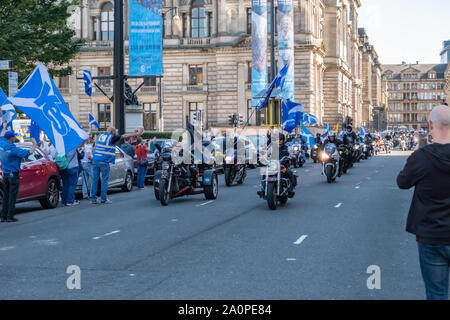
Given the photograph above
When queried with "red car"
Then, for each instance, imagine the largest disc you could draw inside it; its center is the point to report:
(39, 179)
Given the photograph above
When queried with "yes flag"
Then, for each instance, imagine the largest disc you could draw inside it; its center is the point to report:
(310, 119)
(9, 113)
(92, 121)
(309, 137)
(35, 131)
(41, 101)
(291, 114)
(87, 77)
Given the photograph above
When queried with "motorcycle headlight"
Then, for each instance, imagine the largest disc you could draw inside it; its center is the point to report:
(325, 156)
(165, 165)
(415, 139)
(315, 147)
(295, 148)
(356, 147)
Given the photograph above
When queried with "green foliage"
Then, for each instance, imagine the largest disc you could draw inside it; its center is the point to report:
(35, 31)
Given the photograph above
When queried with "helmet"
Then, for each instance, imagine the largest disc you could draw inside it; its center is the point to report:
(317, 134)
(331, 134)
(281, 136)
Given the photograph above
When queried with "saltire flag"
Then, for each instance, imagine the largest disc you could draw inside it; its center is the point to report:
(310, 119)
(324, 136)
(92, 121)
(309, 137)
(41, 101)
(291, 114)
(9, 113)
(277, 82)
(363, 132)
(35, 131)
(87, 78)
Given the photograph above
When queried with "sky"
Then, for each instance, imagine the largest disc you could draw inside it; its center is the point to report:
(406, 30)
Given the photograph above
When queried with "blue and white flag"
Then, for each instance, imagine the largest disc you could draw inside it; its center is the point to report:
(87, 77)
(324, 136)
(41, 101)
(35, 131)
(92, 121)
(363, 132)
(277, 82)
(291, 114)
(310, 119)
(309, 137)
(9, 113)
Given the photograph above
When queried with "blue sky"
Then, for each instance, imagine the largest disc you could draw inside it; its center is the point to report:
(406, 30)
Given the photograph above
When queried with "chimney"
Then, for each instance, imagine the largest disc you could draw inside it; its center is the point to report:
(417, 62)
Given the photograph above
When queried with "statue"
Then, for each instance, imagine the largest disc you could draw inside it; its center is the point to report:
(130, 97)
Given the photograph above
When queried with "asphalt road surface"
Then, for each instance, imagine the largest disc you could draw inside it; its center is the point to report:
(318, 246)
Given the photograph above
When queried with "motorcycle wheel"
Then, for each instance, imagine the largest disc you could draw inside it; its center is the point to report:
(283, 200)
(163, 192)
(271, 196)
(241, 180)
(329, 174)
(228, 177)
(212, 191)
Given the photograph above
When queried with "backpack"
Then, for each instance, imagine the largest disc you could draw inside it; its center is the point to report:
(61, 162)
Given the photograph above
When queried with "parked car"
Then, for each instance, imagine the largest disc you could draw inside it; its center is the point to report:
(39, 179)
(121, 174)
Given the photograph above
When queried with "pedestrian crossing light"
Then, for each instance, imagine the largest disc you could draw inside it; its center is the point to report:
(241, 119)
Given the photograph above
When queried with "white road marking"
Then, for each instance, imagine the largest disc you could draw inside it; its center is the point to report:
(174, 220)
(357, 187)
(338, 205)
(202, 204)
(33, 237)
(131, 274)
(7, 248)
(49, 242)
(106, 234)
(307, 170)
(291, 259)
(300, 240)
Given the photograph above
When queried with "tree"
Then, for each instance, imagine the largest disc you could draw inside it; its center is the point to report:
(33, 31)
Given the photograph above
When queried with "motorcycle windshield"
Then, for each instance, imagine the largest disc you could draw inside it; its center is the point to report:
(330, 148)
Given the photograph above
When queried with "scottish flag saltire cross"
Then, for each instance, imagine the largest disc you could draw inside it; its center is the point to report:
(310, 119)
(92, 121)
(41, 101)
(309, 137)
(87, 77)
(363, 132)
(9, 113)
(292, 114)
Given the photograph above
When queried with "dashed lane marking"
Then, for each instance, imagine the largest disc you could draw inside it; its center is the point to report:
(338, 205)
(300, 240)
(106, 234)
(203, 204)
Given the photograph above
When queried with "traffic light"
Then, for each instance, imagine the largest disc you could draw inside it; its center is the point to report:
(240, 120)
(231, 119)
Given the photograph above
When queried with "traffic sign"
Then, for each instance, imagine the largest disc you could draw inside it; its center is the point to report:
(13, 83)
(5, 64)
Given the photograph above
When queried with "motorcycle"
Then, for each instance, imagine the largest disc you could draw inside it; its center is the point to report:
(176, 180)
(387, 146)
(403, 144)
(413, 143)
(330, 162)
(274, 184)
(234, 171)
(315, 153)
(298, 154)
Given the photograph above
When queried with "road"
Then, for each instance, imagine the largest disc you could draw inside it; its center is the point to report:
(318, 246)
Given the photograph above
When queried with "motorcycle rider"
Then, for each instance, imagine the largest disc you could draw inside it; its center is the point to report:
(338, 143)
(349, 138)
(317, 139)
(284, 152)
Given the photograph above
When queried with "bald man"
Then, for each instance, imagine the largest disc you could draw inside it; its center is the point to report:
(428, 170)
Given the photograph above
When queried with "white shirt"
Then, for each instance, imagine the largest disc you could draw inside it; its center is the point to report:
(87, 149)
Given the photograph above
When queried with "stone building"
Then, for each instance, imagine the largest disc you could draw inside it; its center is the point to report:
(371, 83)
(207, 62)
(414, 90)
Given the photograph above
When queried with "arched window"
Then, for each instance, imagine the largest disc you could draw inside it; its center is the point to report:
(198, 19)
(107, 21)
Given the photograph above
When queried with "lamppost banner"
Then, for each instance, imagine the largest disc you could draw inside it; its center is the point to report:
(146, 38)
(285, 28)
(259, 48)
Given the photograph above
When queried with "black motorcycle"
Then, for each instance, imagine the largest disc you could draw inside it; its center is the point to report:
(176, 180)
(315, 153)
(297, 151)
(275, 184)
(233, 170)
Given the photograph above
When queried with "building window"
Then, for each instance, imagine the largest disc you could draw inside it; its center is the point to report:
(195, 75)
(250, 110)
(249, 21)
(249, 72)
(198, 22)
(432, 75)
(64, 82)
(104, 115)
(210, 24)
(150, 116)
(103, 72)
(95, 27)
(107, 21)
(150, 82)
(195, 112)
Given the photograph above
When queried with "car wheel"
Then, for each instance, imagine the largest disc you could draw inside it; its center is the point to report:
(128, 186)
(51, 199)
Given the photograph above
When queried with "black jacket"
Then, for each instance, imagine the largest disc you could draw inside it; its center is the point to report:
(428, 170)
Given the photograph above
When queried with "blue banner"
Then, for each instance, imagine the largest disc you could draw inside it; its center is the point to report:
(146, 53)
(9, 113)
(259, 48)
(285, 28)
(41, 101)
